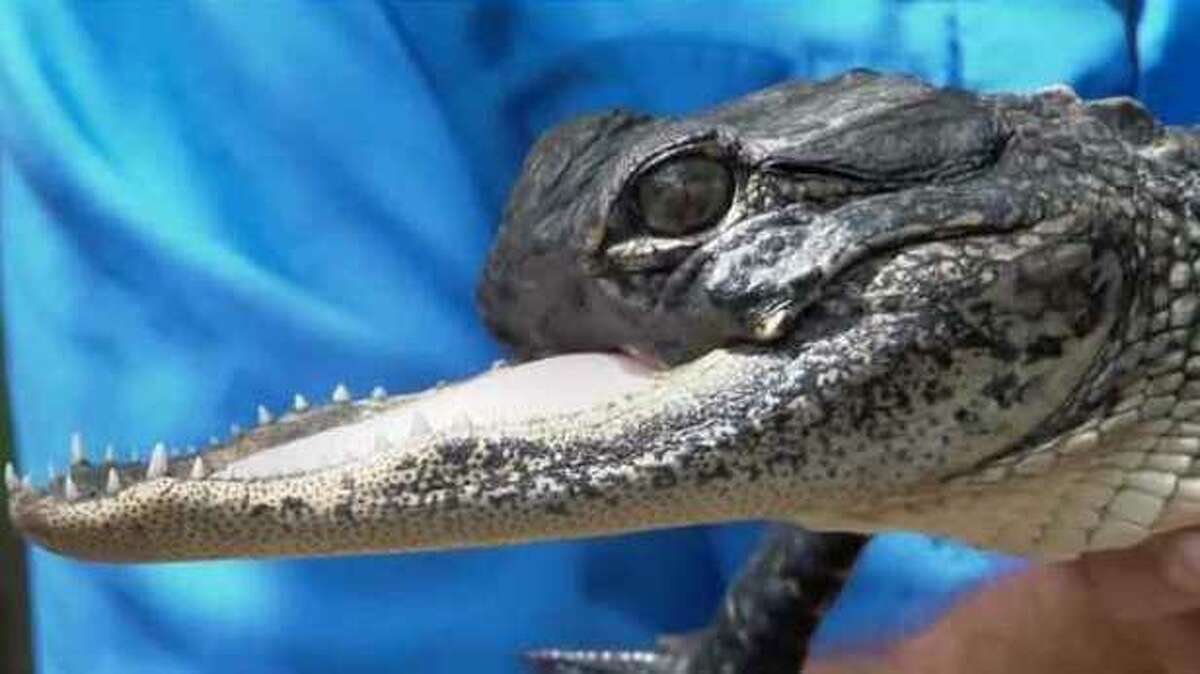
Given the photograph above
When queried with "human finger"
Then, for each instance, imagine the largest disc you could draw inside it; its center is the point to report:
(1156, 579)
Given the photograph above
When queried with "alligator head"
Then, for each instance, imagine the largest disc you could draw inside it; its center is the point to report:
(858, 304)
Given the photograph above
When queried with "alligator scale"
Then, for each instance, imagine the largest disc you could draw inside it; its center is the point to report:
(855, 305)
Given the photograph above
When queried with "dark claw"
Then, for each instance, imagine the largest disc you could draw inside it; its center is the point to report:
(600, 662)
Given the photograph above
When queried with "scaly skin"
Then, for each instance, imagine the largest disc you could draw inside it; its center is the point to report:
(872, 304)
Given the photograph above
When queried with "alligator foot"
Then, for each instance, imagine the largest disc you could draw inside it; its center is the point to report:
(764, 624)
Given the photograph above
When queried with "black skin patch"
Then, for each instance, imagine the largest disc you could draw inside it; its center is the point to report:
(720, 471)
(455, 455)
(343, 512)
(1045, 346)
(294, 507)
(1004, 389)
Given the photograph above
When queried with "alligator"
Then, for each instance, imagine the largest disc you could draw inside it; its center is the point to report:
(854, 305)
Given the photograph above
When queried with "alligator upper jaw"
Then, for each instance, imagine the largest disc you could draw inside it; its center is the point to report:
(532, 451)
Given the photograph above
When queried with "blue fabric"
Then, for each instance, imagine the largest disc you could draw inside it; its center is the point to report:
(211, 205)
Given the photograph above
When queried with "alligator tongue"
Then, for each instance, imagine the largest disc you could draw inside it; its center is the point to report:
(542, 388)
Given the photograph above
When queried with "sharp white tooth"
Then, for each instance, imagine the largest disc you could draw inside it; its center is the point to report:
(264, 416)
(341, 394)
(198, 469)
(78, 452)
(53, 473)
(461, 423)
(158, 462)
(70, 491)
(214, 440)
(299, 403)
(419, 426)
(235, 430)
(110, 453)
(378, 393)
(382, 444)
(11, 482)
(113, 484)
(499, 363)
(27, 482)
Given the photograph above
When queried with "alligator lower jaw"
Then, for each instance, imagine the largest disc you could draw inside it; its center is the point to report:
(338, 467)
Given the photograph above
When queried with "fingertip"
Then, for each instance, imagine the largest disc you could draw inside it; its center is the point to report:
(1181, 562)
(1157, 578)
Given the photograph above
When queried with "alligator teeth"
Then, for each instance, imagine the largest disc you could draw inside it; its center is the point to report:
(70, 491)
(78, 451)
(461, 423)
(264, 416)
(11, 482)
(27, 482)
(299, 403)
(420, 426)
(341, 394)
(378, 393)
(234, 430)
(50, 470)
(158, 462)
(198, 469)
(214, 440)
(113, 484)
(499, 364)
(110, 453)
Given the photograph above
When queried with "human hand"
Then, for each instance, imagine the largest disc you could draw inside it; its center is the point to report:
(1134, 611)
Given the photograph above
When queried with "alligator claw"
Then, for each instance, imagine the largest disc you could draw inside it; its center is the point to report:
(554, 661)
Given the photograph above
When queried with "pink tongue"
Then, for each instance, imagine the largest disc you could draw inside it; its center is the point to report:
(537, 389)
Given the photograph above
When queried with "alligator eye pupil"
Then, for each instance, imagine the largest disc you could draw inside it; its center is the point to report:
(684, 195)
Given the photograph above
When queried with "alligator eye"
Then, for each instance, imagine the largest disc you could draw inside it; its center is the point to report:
(684, 195)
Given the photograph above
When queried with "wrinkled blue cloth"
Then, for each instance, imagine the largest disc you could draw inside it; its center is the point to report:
(210, 205)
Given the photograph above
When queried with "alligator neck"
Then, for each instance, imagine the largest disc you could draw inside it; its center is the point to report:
(1125, 461)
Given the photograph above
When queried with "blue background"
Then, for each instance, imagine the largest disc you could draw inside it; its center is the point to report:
(210, 205)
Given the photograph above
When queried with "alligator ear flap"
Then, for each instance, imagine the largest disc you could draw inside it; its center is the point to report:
(1127, 116)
